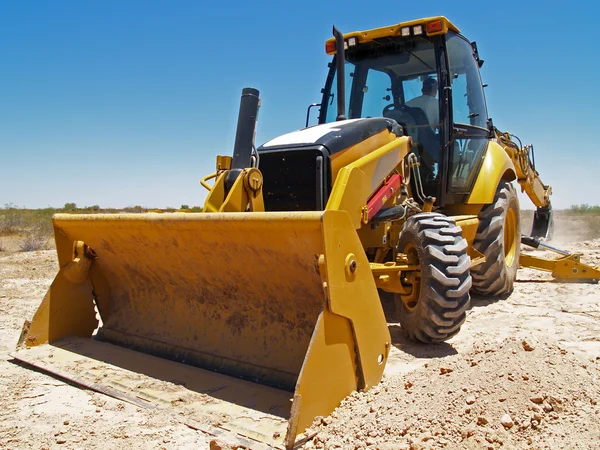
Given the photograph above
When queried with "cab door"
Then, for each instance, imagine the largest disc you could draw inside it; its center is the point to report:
(468, 131)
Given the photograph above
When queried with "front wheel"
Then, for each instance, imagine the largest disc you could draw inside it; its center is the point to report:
(437, 298)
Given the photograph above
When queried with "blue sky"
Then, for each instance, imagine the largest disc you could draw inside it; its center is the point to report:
(121, 103)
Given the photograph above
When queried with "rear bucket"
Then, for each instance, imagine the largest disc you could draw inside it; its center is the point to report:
(282, 299)
(543, 224)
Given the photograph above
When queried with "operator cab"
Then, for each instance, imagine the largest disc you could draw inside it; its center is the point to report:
(427, 79)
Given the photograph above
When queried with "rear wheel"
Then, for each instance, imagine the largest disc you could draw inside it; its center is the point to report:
(499, 239)
(434, 307)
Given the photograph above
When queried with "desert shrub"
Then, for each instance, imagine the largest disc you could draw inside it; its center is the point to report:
(11, 220)
(185, 207)
(70, 207)
(40, 219)
(585, 209)
(134, 209)
(34, 239)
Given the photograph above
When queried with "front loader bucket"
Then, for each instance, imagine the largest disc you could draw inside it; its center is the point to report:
(286, 300)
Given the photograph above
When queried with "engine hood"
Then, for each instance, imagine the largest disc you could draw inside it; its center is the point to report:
(334, 136)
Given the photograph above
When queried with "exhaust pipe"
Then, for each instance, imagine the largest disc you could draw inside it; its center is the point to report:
(245, 134)
(340, 59)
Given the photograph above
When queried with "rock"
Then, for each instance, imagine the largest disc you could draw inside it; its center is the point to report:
(61, 441)
(482, 421)
(470, 399)
(537, 399)
(528, 344)
(66, 422)
(555, 402)
(506, 421)
(502, 399)
(467, 432)
(220, 445)
(538, 417)
(445, 370)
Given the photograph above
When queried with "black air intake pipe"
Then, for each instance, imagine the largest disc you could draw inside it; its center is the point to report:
(340, 59)
(244, 136)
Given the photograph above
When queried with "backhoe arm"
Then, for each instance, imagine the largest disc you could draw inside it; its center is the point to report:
(527, 176)
(529, 179)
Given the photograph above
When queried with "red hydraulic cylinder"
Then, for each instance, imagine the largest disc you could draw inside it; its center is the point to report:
(383, 194)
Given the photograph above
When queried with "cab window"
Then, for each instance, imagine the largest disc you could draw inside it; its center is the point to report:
(376, 92)
(468, 102)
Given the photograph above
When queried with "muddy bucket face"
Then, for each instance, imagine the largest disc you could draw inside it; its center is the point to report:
(235, 293)
(282, 299)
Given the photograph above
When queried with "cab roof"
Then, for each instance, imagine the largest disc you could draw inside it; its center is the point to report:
(431, 26)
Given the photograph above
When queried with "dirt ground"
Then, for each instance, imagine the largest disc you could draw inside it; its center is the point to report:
(522, 373)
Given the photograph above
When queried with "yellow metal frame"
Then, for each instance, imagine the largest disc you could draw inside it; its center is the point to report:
(352, 154)
(497, 165)
(351, 336)
(244, 195)
(357, 181)
(395, 30)
(67, 308)
(565, 268)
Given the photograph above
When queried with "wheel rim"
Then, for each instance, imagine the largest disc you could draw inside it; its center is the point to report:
(510, 240)
(413, 280)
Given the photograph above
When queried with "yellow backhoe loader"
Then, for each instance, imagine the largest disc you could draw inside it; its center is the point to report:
(265, 307)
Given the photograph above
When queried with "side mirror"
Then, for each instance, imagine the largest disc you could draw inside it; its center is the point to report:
(476, 54)
(312, 105)
(491, 128)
